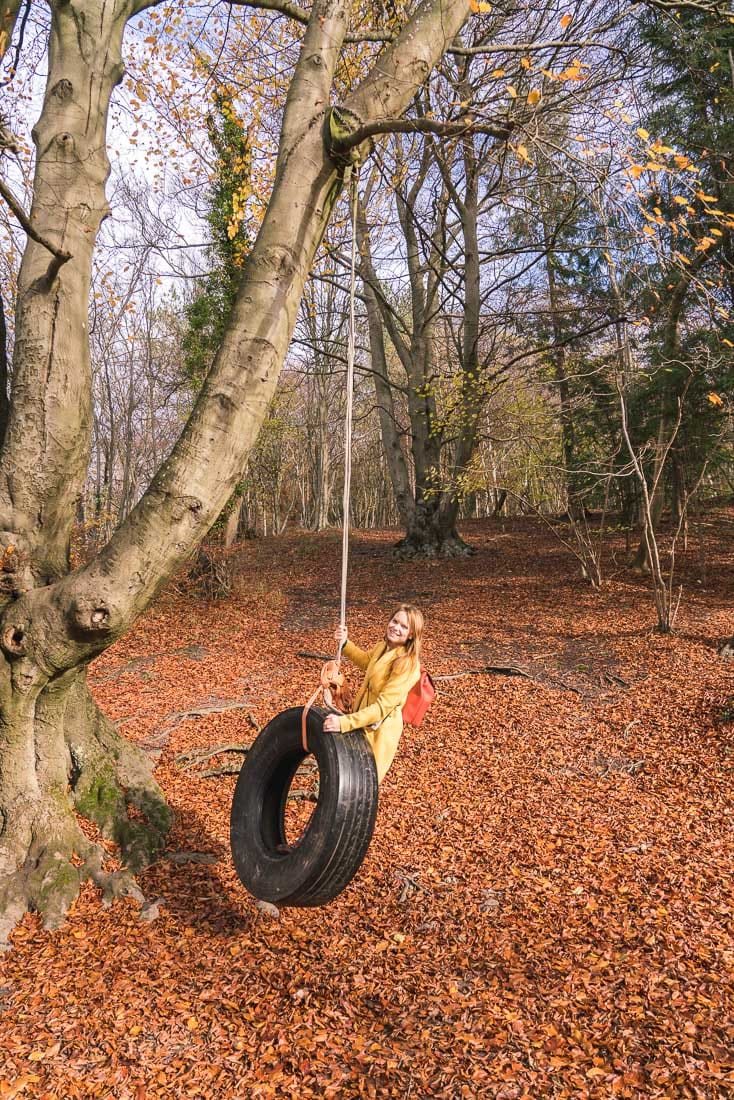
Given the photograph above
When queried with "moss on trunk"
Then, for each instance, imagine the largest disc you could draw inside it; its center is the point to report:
(86, 769)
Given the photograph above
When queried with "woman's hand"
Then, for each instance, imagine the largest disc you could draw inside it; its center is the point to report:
(340, 635)
(331, 724)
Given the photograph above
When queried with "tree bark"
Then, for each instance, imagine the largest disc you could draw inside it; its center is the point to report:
(57, 753)
(391, 436)
(8, 16)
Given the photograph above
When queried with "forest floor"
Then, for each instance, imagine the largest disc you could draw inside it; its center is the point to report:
(546, 909)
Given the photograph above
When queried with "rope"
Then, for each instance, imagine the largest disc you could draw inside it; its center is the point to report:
(348, 416)
(331, 679)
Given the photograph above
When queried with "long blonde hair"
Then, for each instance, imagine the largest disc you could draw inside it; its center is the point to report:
(410, 658)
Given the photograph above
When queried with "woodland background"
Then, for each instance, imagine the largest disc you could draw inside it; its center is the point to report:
(545, 276)
(518, 290)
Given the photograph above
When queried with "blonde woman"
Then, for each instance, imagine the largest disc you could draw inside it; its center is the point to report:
(391, 668)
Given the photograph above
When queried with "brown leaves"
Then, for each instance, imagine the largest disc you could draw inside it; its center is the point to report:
(537, 916)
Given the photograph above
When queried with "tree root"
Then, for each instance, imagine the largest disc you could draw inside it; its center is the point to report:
(48, 871)
(430, 545)
(83, 768)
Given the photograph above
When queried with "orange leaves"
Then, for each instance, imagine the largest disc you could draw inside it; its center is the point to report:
(534, 918)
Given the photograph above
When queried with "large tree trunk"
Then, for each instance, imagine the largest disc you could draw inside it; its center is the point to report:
(61, 756)
(432, 532)
(389, 430)
(57, 754)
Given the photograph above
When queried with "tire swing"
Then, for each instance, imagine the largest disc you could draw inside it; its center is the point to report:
(330, 850)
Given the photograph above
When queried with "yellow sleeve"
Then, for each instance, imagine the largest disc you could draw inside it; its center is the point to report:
(360, 657)
(392, 696)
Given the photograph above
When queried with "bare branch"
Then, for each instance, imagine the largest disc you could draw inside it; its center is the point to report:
(60, 256)
(500, 129)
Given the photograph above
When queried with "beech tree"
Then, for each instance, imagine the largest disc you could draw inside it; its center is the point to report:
(58, 753)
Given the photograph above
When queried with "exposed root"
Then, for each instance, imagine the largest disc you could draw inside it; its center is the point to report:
(45, 875)
(112, 785)
(83, 767)
(429, 546)
(194, 757)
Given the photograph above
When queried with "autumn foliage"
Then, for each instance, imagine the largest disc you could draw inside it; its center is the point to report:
(545, 911)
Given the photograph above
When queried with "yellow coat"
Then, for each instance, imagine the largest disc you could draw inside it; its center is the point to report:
(377, 708)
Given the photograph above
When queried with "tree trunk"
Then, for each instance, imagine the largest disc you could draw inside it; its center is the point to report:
(8, 16)
(61, 756)
(432, 533)
(391, 442)
(233, 523)
(58, 754)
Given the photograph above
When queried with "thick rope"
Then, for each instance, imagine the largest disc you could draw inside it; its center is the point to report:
(330, 675)
(348, 416)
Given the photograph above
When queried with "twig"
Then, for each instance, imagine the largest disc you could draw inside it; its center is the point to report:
(500, 670)
(314, 656)
(190, 759)
(226, 769)
(173, 720)
(302, 796)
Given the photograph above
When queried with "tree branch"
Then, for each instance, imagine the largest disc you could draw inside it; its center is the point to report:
(462, 128)
(60, 257)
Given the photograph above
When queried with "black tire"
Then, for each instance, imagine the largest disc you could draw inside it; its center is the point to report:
(329, 853)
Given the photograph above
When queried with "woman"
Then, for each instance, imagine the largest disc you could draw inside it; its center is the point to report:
(391, 669)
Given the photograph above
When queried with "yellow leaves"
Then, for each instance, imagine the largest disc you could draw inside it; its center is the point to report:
(192, 1023)
(680, 200)
(635, 170)
(574, 71)
(713, 398)
(704, 244)
(140, 92)
(511, 91)
(727, 342)
(705, 198)
(566, 21)
(643, 133)
(498, 73)
(655, 166)
(522, 154)
(479, 6)
(526, 62)
(533, 97)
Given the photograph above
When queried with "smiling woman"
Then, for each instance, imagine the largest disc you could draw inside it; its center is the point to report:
(391, 668)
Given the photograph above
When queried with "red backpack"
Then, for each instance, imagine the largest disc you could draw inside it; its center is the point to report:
(420, 697)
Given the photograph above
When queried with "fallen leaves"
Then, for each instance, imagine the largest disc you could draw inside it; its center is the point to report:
(545, 910)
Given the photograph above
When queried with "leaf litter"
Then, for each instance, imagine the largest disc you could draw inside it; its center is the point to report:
(546, 908)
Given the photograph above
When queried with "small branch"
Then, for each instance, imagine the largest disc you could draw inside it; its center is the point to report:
(499, 670)
(314, 656)
(60, 257)
(302, 796)
(226, 769)
(463, 128)
(191, 759)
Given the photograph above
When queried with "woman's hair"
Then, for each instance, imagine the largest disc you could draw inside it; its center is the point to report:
(411, 657)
